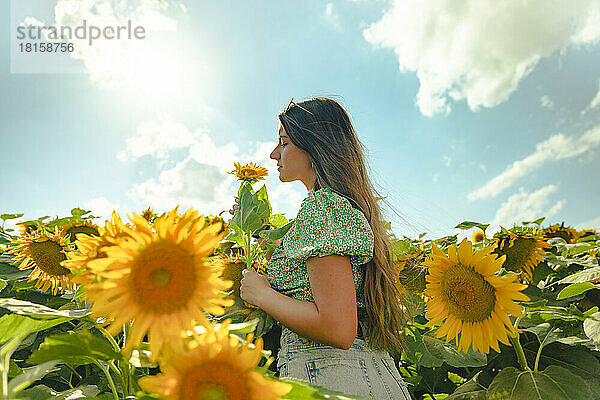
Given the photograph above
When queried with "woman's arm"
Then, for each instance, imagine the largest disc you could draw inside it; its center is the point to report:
(332, 318)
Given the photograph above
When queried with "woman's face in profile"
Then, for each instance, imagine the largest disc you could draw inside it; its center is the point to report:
(293, 162)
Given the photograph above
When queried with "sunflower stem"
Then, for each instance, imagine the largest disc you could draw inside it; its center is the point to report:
(519, 350)
(248, 260)
(110, 338)
(537, 358)
(126, 366)
(111, 383)
(116, 370)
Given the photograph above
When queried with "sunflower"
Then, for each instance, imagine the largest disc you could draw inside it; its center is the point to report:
(89, 247)
(43, 251)
(27, 227)
(72, 229)
(469, 299)
(523, 252)
(158, 278)
(412, 272)
(214, 366)
(232, 270)
(249, 173)
(583, 234)
(568, 234)
(147, 214)
(213, 219)
(477, 236)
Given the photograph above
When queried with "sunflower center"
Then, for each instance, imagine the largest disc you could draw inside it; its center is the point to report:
(214, 381)
(519, 253)
(164, 277)
(160, 277)
(467, 294)
(47, 256)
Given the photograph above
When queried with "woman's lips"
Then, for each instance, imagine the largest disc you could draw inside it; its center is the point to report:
(279, 168)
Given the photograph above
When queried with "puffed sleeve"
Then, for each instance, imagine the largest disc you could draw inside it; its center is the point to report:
(328, 224)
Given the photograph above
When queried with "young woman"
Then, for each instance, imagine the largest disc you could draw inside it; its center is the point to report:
(331, 282)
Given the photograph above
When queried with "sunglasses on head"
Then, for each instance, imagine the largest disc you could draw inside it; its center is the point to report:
(291, 103)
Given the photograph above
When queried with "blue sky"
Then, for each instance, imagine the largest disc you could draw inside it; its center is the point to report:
(469, 112)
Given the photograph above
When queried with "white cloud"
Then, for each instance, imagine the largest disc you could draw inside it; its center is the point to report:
(594, 103)
(435, 177)
(332, 16)
(479, 50)
(145, 65)
(525, 206)
(447, 160)
(158, 138)
(190, 184)
(101, 207)
(201, 180)
(547, 102)
(556, 147)
(591, 224)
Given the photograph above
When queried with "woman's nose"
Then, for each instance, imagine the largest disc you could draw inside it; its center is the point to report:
(274, 154)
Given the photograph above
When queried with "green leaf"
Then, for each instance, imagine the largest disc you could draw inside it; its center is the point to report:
(429, 351)
(2, 284)
(13, 369)
(577, 359)
(591, 327)
(545, 333)
(77, 348)
(449, 353)
(78, 212)
(41, 392)
(470, 390)
(555, 383)
(469, 224)
(590, 274)
(236, 237)
(22, 307)
(547, 313)
(248, 218)
(243, 328)
(277, 220)
(542, 271)
(305, 391)
(262, 198)
(537, 221)
(10, 272)
(576, 289)
(6, 217)
(13, 325)
(29, 376)
(264, 324)
(276, 234)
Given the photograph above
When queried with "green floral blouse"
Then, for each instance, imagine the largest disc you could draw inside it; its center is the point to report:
(326, 224)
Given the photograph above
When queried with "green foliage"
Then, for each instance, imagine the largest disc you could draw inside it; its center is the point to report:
(469, 225)
(51, 348)
(20, 326)
(554, 383)
(29, 376)
(76, 348)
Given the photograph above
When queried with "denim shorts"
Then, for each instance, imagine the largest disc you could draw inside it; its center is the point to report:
(358, 371)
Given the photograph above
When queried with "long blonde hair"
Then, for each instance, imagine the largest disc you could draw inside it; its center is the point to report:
(322, 128)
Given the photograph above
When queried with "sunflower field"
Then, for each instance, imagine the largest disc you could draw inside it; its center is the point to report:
(149, 307)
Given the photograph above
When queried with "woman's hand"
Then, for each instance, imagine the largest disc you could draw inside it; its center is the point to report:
(253, 287)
